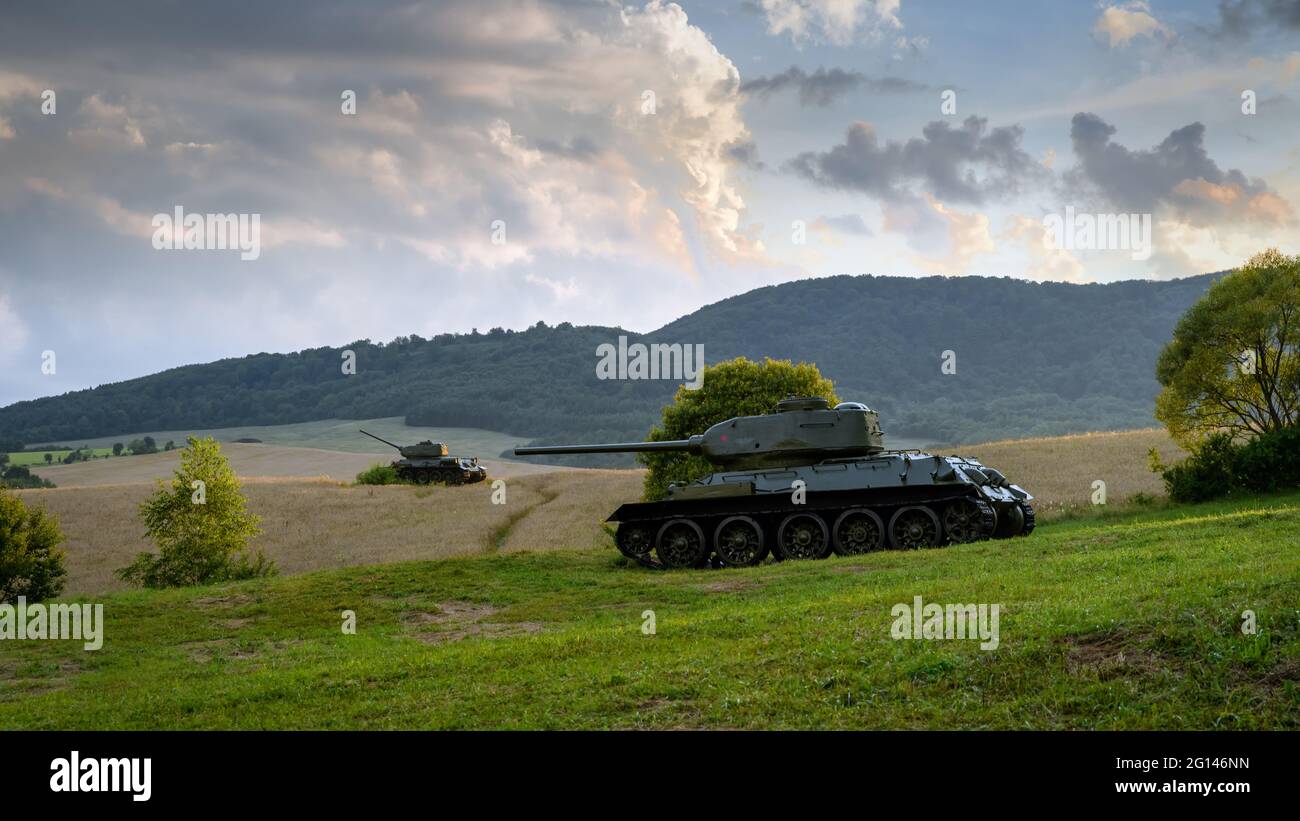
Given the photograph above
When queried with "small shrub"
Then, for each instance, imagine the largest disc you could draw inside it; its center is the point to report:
(1143, 499)
(31, 563)
(200, 542)
(379, 474)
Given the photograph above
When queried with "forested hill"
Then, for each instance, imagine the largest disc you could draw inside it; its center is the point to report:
(1030, 359)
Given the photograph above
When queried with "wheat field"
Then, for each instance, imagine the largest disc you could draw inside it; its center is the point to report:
(1060, 470)
(312, 524)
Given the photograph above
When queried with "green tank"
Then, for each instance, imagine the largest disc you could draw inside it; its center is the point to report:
(428, 462)
(805, 481)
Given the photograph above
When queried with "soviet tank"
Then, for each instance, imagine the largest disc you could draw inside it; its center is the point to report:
(428, 462)
(805, 481)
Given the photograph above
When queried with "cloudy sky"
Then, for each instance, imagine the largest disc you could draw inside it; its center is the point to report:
(603, 163)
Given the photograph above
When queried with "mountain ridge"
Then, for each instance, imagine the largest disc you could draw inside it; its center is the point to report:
(1030, 359)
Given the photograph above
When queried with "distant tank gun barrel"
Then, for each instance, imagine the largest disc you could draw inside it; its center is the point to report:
(385, 441)
(693, 445)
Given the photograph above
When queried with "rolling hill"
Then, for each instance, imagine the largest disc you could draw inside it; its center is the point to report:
(1031, 359)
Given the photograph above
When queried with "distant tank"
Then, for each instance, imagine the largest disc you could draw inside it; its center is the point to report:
(428, 462)
(855, 495)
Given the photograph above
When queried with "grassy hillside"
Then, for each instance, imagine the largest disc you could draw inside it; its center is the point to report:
(1122, 622)
(1032, 359)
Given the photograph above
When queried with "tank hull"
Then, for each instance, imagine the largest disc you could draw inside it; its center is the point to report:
(889, 500)
(445, 470)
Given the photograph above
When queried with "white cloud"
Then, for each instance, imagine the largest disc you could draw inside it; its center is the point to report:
(561, 291)
(13, 84)
(839, 22)
(1121, 23)
(104, 121)
(968, 237)
(1046, 262)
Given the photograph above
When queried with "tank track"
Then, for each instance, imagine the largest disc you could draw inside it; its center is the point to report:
(437, 476)
(1028, 510)
(636, 539)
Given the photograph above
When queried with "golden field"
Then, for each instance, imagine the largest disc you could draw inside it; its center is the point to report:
(311, 524)
(1060, 470)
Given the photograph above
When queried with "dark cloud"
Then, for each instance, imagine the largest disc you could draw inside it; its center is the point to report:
(822, 86)
(1178, 172)
(1240, 19)
(745, 152)
(965, 164)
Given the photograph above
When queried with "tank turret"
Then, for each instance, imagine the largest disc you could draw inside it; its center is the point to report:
(804, 480)
(802, 428)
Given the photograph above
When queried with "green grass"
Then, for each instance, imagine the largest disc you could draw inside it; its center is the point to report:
(37, 457)
(1126, 621)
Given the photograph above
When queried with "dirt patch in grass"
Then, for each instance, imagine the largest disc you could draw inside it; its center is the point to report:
(730, 586)
(230, 600)
(1112, 654)
(853, 568)
(203, 652)
(1276, 678)
(457, 620)
(234, 624)
(32, 677)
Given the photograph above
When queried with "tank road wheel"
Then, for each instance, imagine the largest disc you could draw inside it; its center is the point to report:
(738, 541)
(914, 527)
(635, 540)
(1011, 522)
(421, 476)
(858, 530)
(964, 521)
(802, 536)
(1027, 510)
(681, 544)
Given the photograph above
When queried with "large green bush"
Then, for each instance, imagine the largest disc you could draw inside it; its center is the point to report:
(1221, 466)
(1270, 462)
(31, 563)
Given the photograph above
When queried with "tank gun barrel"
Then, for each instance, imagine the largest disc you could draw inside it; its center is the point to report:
(693, 445)
(385, 441)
